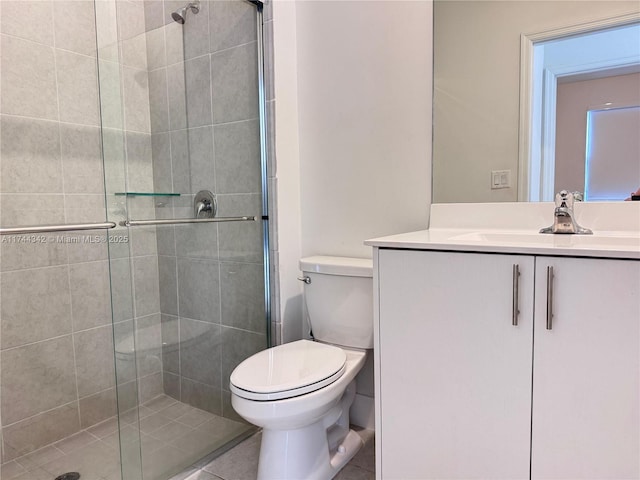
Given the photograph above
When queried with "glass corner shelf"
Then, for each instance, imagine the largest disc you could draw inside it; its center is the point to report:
(148, 194)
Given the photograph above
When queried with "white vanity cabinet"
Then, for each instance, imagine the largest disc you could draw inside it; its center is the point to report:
(465, 391)
(586, 370)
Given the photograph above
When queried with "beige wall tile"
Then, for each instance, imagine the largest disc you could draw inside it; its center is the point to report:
(31, 251)
(156, 52)
(201, 396)
(107, 30)
(77, 88)
(35, 432)
(111, 108)
(84, 251)
(240, 243)
(28, 79)
(174, 36)
(36, 305)
(237, 153)
(20, 209)
(150, 387)
(158, 100)
(234, 84)
(198, 289)
(94, 360)
(75, 26)
(148, 345)
(90, 294)
(177, 98)
(238, 345)
(136, 100)
(128, 397)
(97, 408)
(242, 296)
(153, 14)
(143, 240)
(134, 51)
(121, 291)
(139, 164)
(147, 294)
(168, 285)
(232, 23)
(198, 89)
(30, 152)
(196, 36)
(171, 385)
(81, 152)
(201, 352)
(30, 371)
(82, 208)
(31, 20)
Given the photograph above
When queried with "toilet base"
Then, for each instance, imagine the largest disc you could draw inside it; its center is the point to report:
(307, 454)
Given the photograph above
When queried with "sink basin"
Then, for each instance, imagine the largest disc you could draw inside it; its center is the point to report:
(603, 241)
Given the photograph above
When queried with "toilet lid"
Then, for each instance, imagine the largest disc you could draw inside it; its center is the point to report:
(288, 370)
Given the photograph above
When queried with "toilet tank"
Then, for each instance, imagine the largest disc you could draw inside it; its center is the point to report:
(339, 299)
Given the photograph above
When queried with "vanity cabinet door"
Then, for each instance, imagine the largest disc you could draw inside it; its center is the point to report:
(455, 374)
(586, 372)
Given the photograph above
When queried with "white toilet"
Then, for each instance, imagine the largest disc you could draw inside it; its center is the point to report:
(300, 392)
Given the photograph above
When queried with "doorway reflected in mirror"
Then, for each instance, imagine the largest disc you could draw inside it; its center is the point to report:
(585, 115)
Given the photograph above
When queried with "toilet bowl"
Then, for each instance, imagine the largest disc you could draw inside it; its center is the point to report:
(300, 392)
(300, 421)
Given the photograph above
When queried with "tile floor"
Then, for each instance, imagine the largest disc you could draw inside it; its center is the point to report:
(241, 462)
(172, 437)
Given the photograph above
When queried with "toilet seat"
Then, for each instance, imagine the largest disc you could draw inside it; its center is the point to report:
(288, 370)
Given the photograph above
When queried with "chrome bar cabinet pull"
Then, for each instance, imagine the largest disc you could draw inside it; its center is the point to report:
(516, 287)
(549, 297)
(67, 227)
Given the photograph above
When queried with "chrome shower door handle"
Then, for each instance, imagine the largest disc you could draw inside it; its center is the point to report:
(549, 297)
(515, 308)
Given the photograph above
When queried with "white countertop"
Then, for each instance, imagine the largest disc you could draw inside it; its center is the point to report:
(513, 228)
(601, 244)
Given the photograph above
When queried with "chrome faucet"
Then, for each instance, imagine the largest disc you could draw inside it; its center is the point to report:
(563, 216)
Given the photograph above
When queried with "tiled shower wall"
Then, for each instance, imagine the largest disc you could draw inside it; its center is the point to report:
(57, 372)
(57, 338)
(205, 136)
(204, 285)
(129, 168)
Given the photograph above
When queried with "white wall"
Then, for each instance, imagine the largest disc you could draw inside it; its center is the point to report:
(364, 93)
(353, 129)
(353, 83)
(287, 175)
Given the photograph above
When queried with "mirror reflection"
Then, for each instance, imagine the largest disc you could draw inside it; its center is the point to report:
(531, 97)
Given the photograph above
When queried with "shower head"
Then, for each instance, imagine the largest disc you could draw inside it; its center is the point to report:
(181, 14)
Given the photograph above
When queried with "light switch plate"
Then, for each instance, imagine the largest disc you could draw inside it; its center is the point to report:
(500, 179)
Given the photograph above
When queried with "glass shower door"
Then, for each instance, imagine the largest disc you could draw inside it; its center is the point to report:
(57, 380)
(181, 114)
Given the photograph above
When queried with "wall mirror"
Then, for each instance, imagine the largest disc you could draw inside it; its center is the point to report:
(523, 91)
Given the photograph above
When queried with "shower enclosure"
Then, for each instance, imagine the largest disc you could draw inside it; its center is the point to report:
(134, 248)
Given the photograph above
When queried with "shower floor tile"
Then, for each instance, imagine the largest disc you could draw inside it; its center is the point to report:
(188, 435)
(173, 436)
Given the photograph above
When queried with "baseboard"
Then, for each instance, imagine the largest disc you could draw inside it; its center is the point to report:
(362, 412)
